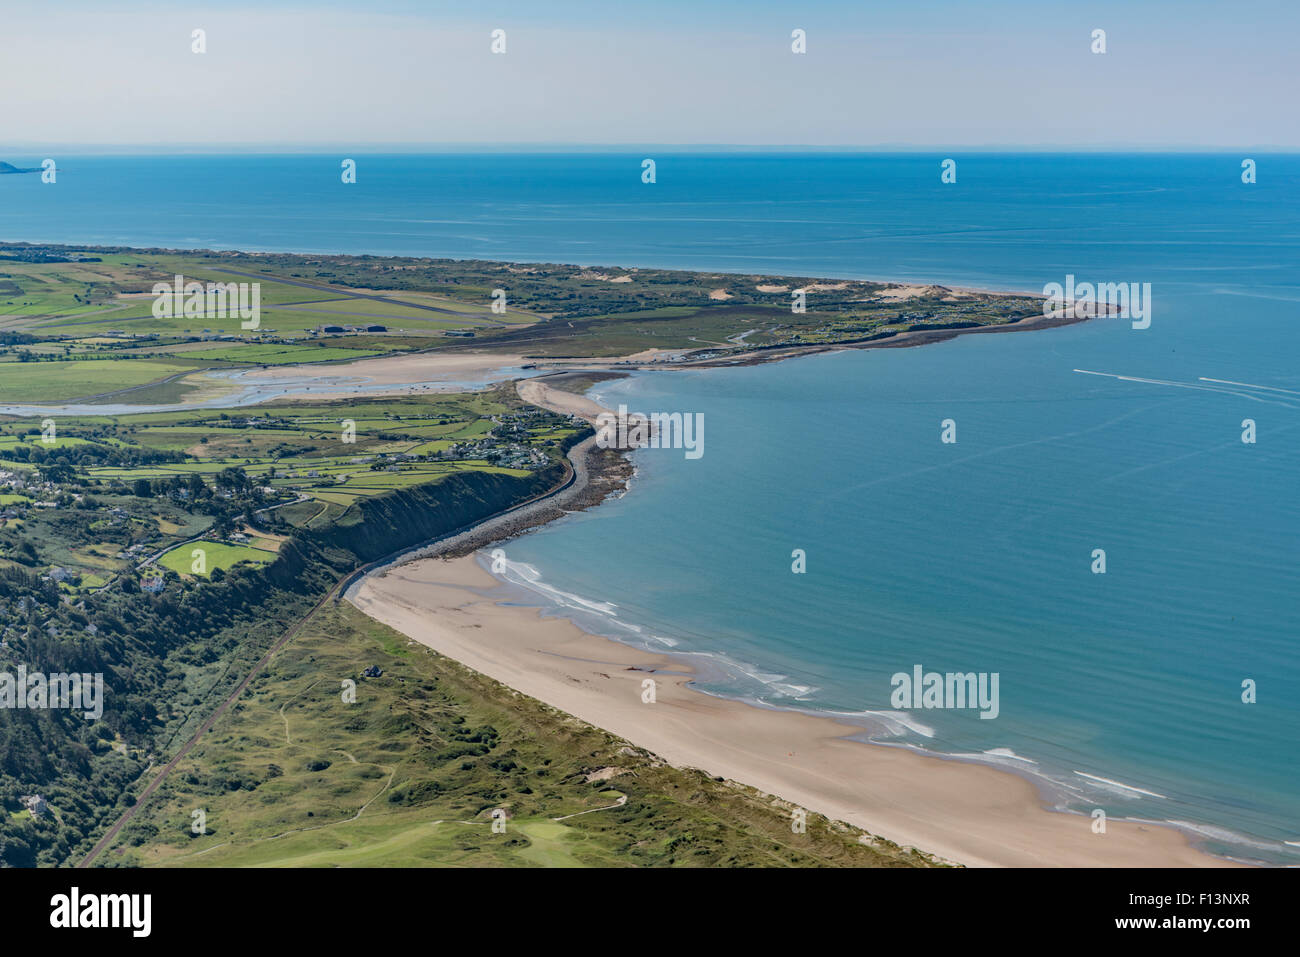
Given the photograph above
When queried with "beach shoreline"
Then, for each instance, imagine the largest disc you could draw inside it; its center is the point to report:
(442, 598)
(963, 812)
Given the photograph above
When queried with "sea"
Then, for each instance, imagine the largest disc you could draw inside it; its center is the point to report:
(829, 540)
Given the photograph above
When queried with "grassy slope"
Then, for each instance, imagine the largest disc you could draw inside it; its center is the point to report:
(410, 773)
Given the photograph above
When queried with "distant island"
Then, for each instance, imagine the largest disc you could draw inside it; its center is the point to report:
(11, 168)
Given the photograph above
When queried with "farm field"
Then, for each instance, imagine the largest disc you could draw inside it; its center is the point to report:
(258, 354)
(110, 491)
(223, 555)
(78, 379)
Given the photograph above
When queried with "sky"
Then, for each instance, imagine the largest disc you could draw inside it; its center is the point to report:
(877, 74)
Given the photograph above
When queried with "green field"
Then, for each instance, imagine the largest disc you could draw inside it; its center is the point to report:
(89, 300)
(8, 442)
(277, 355)
(223, 555)
(47, 382)
(289, 450)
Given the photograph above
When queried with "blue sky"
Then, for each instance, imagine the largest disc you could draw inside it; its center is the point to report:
(926, 73)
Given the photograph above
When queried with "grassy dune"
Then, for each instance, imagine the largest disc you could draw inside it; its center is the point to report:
(411, 773)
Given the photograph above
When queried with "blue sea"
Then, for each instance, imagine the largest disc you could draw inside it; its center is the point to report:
(1121, 690)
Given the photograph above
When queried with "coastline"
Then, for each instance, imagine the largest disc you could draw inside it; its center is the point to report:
(993, 844)
(967, 813)
(441, 597)
(894, 340)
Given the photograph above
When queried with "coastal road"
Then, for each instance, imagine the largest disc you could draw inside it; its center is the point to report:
(501, 525)
(517, 518)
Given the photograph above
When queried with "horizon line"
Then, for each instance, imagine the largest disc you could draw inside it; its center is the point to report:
(260, 148)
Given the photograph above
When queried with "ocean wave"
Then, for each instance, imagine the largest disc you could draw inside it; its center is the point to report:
(1225, 836)
(751, 684)
(1008, 753)
(891, 723)
(996, 756)
(1119, 787)
(521, 573)
(712, 666)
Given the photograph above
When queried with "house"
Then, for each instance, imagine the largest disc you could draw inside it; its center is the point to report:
(374, 671)
(34, 803)
(153, 586)
(376, 328)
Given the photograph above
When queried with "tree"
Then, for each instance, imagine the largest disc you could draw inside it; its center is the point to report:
(142, 488)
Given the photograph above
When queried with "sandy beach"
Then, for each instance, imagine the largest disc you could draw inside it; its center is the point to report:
(538, 392)
(966, 813)
(392, 375)
(440, 372)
